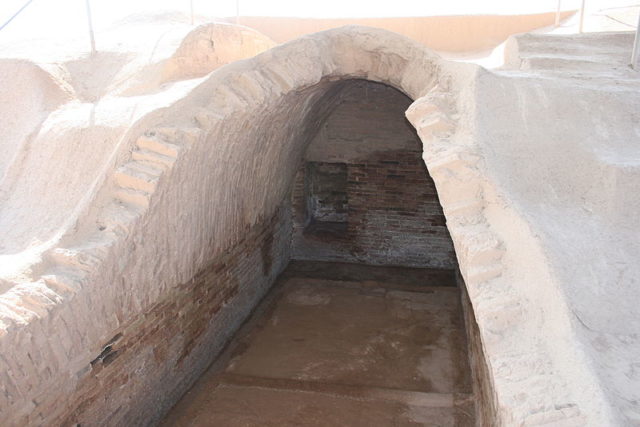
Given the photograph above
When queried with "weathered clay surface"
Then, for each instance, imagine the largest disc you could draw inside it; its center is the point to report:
(571, 222)
(541, 211)
(71, 118)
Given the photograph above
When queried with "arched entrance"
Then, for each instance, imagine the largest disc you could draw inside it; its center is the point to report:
(363, 193)
(192, 228)
(365, 324)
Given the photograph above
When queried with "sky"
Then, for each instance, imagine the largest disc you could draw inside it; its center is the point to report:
(53, 18)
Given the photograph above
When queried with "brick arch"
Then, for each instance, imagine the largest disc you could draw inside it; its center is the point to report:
(148, 276)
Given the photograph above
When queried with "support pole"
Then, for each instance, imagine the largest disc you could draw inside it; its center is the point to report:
(635, 55)
(558, 13)
(89, 21)
(581, 27)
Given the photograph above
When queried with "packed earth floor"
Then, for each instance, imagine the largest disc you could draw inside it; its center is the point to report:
(342, 345)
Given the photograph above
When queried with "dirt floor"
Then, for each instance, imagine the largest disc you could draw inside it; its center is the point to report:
(341, 344)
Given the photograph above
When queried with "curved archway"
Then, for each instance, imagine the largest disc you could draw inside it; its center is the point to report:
(149, 278)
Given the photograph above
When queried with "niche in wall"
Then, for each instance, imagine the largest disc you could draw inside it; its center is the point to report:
(327, 199)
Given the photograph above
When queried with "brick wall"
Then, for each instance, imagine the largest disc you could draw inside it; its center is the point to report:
(393, 213)
(486, 410)
(167, 347)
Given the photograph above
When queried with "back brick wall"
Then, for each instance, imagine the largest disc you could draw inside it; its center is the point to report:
(393, 213)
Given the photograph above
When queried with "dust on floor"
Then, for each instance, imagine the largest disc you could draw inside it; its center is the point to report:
(339, 344)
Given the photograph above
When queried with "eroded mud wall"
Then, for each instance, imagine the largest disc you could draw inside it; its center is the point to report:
(363, 193)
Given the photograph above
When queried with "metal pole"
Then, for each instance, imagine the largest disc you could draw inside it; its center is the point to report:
(635, 55)
(191, 5)
(582, 17)
(558, 13)
(93, 40)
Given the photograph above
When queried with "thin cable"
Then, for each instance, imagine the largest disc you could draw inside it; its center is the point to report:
(16, 14)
